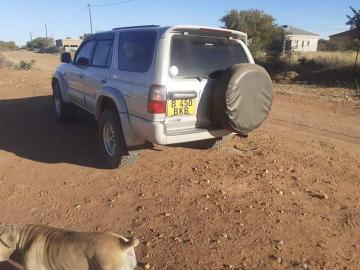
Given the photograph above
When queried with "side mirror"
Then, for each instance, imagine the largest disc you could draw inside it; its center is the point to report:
(65, 57)
(83, 61)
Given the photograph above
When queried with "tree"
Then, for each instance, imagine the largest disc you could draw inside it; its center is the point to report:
(8, 45)
(276, 45)
(264, 33)
(85, 35)
(354, 23)
(40, 43)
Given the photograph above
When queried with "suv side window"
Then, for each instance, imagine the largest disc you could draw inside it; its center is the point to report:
(101, 53)
(136, 49)
(85, 51)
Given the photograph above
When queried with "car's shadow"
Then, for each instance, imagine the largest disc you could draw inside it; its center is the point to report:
(28, 129)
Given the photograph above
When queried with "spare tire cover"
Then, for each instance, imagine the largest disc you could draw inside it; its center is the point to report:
(242, 98)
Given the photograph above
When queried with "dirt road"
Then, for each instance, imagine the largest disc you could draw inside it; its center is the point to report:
(287, 197)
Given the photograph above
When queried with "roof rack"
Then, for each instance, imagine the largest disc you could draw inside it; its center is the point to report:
(137, 26)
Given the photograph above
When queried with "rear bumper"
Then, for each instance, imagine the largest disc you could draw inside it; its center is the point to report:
(156, 132)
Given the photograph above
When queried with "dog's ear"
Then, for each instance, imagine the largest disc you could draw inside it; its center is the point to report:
(130, 243)
(8, 236)
(7, 243)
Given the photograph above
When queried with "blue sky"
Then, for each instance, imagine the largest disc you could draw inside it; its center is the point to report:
(69, 18)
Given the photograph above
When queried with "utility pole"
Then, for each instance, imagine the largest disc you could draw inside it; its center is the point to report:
(46, 30)
(91, 27)
(31, 44)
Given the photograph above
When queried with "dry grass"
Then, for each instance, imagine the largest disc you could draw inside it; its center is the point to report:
(4, 62)
(331, 60)
(331, 69)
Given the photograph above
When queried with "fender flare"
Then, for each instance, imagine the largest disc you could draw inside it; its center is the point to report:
(116, 96)
(63, 85)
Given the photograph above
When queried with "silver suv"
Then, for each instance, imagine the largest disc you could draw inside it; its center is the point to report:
(163, 85)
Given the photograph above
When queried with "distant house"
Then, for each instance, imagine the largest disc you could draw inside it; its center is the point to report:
(344, 37)
(69, 45)
(299, 40)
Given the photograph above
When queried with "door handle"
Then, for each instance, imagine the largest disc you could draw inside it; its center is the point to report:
(103, 80)
(81, 75)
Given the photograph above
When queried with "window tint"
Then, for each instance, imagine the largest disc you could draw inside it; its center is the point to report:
(200, 56)
(136, 50)
(109, 60)
(85, 51)
(101, 53)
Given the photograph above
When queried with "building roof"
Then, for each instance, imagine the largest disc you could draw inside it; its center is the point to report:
(291, 30)
(350, 33)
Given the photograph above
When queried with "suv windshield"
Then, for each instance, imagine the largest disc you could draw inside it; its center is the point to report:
(200, 56)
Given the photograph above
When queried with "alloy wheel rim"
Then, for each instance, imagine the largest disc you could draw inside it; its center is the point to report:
(109, 139)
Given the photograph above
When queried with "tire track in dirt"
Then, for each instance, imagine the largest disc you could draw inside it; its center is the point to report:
(315, 130)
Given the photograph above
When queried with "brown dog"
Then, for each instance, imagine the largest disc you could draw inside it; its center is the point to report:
(47, 248)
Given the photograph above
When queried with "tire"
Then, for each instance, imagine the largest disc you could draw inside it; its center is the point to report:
(208, 144)
(241, 98)
(218, 143)
(112, 142)
(64, 111)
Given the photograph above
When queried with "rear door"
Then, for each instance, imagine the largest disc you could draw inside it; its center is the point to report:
(75, 74)
(193, 59)
(96, 77)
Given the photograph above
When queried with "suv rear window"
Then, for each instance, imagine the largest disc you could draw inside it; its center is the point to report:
(136, 50)
(200, 56)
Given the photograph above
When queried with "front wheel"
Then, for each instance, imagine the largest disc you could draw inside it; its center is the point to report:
(64, 111)
(112, 142)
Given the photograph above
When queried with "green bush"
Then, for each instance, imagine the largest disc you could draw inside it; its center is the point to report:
(51, 50)
(23, 65)
(8, 45)
(40, 43)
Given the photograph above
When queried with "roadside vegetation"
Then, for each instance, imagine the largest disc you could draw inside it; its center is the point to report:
(4, 63)
(8, 46)
(22, 65)
(334, 65)
(331, 69)
(42, 45)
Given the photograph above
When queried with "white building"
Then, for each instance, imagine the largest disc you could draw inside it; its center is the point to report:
(69, 45)
(300, 40)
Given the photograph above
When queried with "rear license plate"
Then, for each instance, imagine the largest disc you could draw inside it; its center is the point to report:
(177, 107)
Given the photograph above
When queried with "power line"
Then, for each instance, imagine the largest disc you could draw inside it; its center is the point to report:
(77, 15)
(72, 19)
(103, 5)
(88, 6)
(112, 4)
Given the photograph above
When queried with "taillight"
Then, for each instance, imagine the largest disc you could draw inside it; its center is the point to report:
(157, 99)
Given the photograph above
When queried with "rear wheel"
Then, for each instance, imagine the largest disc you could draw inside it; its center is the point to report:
(112, 142)
(64, 111)
(208, 144)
